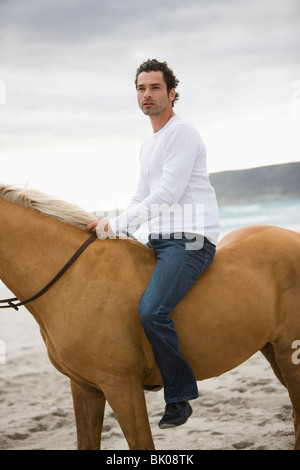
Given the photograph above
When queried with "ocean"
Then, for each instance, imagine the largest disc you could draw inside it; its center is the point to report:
(283, 213)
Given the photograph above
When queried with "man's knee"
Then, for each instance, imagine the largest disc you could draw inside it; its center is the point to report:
(145, 311)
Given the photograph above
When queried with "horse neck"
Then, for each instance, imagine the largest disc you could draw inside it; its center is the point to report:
(33, 248)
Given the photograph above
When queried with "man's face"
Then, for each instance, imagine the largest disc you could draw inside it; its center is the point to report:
(152, 93)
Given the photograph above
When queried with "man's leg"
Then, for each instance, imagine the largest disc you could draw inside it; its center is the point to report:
(175, 272)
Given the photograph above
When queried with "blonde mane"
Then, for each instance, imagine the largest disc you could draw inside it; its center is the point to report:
(47, 205)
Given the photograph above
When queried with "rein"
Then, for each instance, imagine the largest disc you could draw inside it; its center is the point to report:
(11, 303)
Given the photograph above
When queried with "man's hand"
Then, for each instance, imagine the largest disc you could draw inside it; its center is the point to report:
(102, 228)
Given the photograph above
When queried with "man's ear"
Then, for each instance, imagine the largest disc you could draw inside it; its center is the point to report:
(172, 94)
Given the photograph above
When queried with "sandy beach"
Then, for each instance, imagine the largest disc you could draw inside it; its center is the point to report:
(246, 408)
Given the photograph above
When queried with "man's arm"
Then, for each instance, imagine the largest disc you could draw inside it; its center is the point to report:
(180, 155)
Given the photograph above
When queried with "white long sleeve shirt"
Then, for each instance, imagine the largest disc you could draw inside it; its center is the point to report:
(173, 190)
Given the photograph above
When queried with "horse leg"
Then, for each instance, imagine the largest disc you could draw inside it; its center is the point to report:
(268, 352)
(89, 406)
(291, 374)
(127, 400)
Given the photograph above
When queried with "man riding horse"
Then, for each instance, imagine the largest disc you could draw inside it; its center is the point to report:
(174, 192)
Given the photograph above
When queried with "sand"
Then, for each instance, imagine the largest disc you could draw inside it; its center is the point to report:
(246, 408)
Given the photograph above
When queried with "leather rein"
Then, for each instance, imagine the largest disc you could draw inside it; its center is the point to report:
(11, 301)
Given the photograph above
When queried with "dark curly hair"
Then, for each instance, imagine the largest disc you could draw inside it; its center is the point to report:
(153, 65)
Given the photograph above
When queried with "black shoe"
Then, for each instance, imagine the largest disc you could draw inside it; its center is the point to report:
(175, 414)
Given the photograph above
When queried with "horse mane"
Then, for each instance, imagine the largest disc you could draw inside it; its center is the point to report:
(47, 205)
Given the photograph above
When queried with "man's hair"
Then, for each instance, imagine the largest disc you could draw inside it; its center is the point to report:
(153, 65)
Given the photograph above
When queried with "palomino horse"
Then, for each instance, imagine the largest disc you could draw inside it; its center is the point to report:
(248, 300)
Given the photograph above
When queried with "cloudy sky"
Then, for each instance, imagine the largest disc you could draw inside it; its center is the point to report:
(70, 124)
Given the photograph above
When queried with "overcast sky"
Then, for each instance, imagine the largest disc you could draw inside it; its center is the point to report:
(70, 124)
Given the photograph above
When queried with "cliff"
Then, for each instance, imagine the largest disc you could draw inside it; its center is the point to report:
(257, 184)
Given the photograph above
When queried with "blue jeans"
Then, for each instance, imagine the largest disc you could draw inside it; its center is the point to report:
(176, 270)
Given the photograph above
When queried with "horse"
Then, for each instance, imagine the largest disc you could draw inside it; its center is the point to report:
(247, 301)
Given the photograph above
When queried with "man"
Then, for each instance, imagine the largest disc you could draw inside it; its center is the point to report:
(174, 192)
